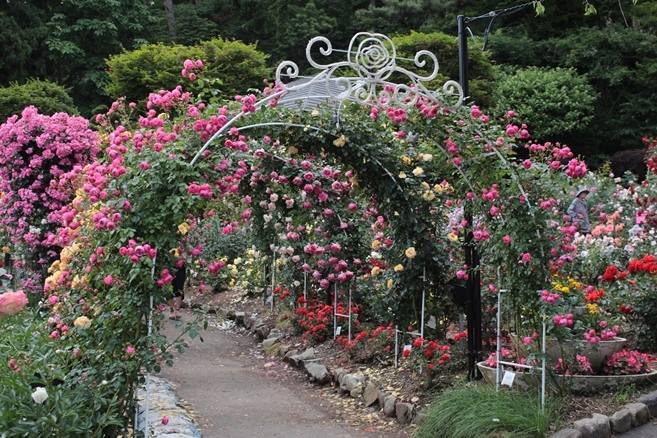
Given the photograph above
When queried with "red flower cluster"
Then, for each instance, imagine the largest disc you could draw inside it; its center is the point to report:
(594, 295)
(315, 321)
(281, 292)
(365, 346)
(646, 264)
(612, 273)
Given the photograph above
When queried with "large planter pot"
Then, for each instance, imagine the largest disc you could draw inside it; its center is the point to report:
(575, 384)
(595, 352)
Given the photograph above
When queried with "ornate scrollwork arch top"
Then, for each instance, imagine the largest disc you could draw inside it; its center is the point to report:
(364, 76)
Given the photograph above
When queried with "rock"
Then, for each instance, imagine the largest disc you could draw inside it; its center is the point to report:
(371, 394)
(382, 398)
(255, 324)
(239, 317)
(287, 357)
(621, 421)
(275, 332)
(283, 349)
(567, 433)
(298, 359)
(404, 413)
(248, 322)
(353, 384)
(338, 373)
(318, 372)
(267, 343)
(650, 400)
(595, 427)
(262, 331)
(389, 406)
(640, 413)
(419, 418)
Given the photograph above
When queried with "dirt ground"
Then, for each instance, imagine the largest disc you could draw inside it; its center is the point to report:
(404, 382)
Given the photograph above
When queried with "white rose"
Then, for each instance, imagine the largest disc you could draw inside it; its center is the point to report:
(40, 395)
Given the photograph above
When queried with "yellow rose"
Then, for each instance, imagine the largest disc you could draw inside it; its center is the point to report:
(425, 185)
(410, 252)
(390, 283)
(6, 249)
(438, 188)
(375, 271)
(292, 150)
(429, 196)
(376, 245)
(339, 142)
(82, 322)
(453, 237)
(402, 175)
(183, 228)
(427, 157)
(314, 113)
(399, 268)
(407, 160)
(418, 171)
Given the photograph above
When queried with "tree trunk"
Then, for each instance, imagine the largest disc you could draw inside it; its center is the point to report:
(171, 19)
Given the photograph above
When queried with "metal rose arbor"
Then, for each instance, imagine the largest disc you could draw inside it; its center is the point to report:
(365, 77)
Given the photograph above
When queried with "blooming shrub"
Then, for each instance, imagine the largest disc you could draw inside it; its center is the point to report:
(628, 362)
(39, 157)
(368, 345)
(579, 366)
(430, 356)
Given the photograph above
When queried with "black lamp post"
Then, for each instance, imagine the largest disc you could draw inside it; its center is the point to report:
(473, 284)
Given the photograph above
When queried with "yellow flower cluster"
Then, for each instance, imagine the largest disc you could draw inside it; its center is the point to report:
(183, 228)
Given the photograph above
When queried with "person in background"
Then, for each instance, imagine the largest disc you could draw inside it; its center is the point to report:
(178, 283)
(578, 211)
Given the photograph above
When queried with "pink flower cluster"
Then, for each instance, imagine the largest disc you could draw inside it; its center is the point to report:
(564, 321)
(190, 68)
(136, 251)
(37, 155)
(576, 168)
(549, 297)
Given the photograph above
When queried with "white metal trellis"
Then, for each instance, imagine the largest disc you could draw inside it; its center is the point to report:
(499, 372)
(363, 77)
(336, 315)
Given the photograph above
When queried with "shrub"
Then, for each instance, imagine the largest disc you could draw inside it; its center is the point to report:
(153, 67)
(40, 156)
(552, 102)
(48, 97)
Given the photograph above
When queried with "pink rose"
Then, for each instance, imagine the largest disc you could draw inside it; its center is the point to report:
(12, 302)
(109, 280)
(130, 349)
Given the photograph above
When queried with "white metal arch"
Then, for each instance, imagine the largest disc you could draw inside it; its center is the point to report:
(362, 78)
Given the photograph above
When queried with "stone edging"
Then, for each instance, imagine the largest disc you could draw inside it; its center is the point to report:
(602, 426)
(355, 384)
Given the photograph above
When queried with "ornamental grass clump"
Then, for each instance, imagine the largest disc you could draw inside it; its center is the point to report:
(476, 411)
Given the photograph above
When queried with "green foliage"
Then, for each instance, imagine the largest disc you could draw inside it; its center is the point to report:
(85, 390)
(237, 67)
(619, 63)
(84, 33)
(552, 102)
(48, 97)
(482, 412)
(446, 49)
